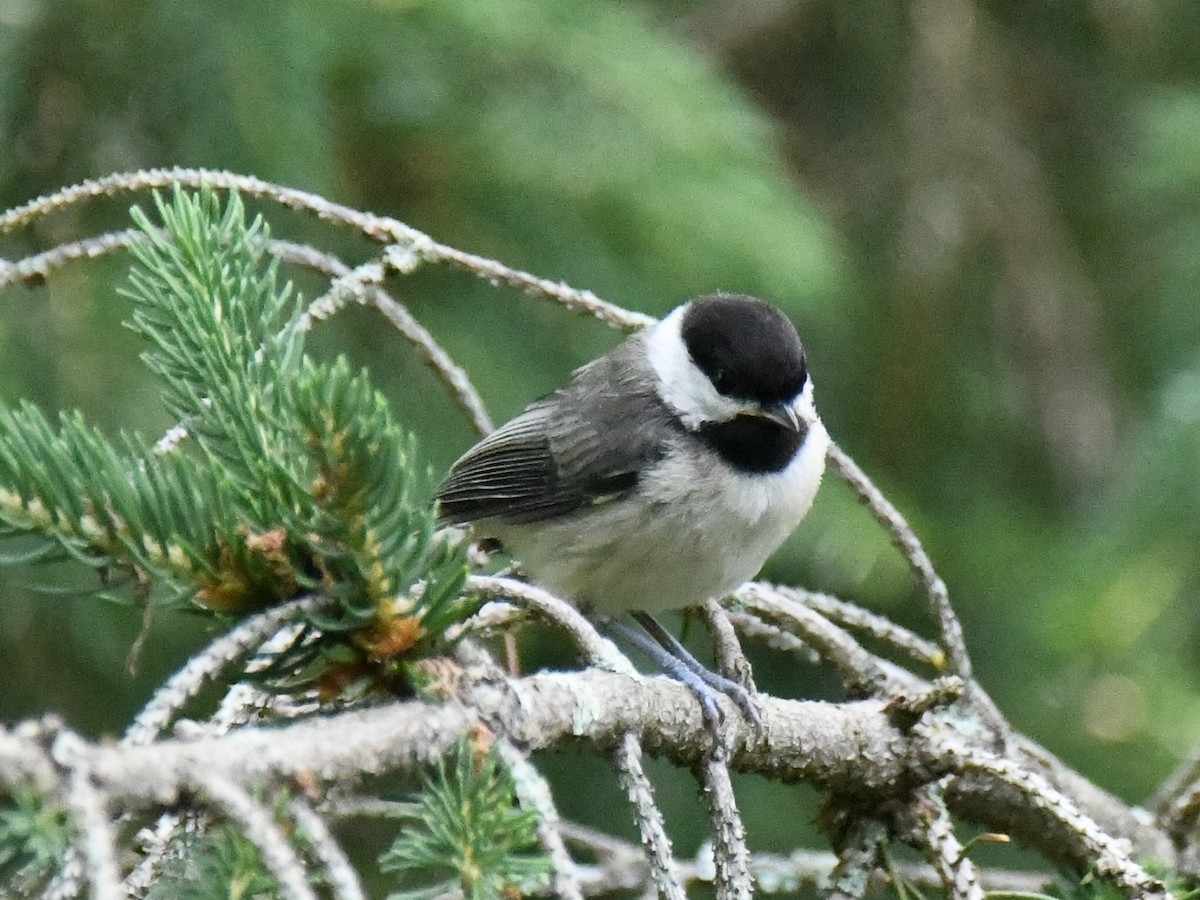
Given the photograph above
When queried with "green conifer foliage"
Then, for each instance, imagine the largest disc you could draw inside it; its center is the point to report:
(293, 477)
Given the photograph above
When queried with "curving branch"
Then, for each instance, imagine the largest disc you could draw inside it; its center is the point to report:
(953, 641)
(229, 650)
(234, 800)
(339, 873)
(925, 823)
(408, 247)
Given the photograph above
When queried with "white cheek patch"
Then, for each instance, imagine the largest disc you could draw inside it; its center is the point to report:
(804, 406)
(682, 385)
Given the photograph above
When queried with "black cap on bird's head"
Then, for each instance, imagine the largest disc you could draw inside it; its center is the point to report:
(748, 349)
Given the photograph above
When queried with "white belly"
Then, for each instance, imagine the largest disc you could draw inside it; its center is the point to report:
(693, 536)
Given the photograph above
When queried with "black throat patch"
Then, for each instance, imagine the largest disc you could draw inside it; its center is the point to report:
(752, 445)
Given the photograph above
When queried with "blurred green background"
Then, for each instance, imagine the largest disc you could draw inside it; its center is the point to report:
(984, 217)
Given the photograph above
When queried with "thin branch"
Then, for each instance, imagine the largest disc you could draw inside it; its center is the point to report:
(861, 671)
(157, 844)
(339, 873)
(601, 843)
(727, 651)
(368, 289)
(451, 374)
(751, 626)
(1109, 856)
(33, 270)
(730, 853)
(227, 651)
(67, 750)
(362, 285)
(259, 826)
(144, 180)
(533, 792)
(495, 618)
(264, 634)
(497, 273)
(909, 544)
(408, 248)
(348, 286)
(853, 616)
(664, 871)
(630, 774)
(801, 870)
(926, 824)
(97, 845)
(24, 760)
(598, 649)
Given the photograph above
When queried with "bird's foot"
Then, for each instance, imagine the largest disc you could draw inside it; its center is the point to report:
(674, 659)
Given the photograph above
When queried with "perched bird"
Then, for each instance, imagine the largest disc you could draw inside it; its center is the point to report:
(664, 474)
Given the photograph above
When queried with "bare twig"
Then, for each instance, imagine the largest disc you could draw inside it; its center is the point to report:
(534, 793)
(563, 294)
(37, 268)
(362, 285)
(853, 616)
(861, 671)
(751, 626)
(598, 649)
(451, 374)
(144, 180)
(218, 657)
(926, 824)
(24, 761)
(857, 859)
(910, 545)
(339, 873)
(730, 853)
(157, 844)
(94, 855)
(98, 838)
(407, 249)
(731, 661)
(664, 871)
(1109, 856)
(348, 286)
(632, 777)
(259, 826)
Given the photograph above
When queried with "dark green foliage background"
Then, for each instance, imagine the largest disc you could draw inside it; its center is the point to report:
(984, 218)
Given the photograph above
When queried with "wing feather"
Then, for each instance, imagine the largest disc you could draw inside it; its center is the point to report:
(581, 445)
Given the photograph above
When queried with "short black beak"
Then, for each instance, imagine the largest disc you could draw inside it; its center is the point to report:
(783, 414)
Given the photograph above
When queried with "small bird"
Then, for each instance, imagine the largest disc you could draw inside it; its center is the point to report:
(664, 474)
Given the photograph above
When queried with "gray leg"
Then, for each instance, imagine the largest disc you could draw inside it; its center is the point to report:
(674, 659)
(714, 719)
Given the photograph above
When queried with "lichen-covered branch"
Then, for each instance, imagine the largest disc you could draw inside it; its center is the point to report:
(847, 748)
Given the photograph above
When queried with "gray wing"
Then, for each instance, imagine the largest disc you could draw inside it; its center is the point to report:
(582, 445)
